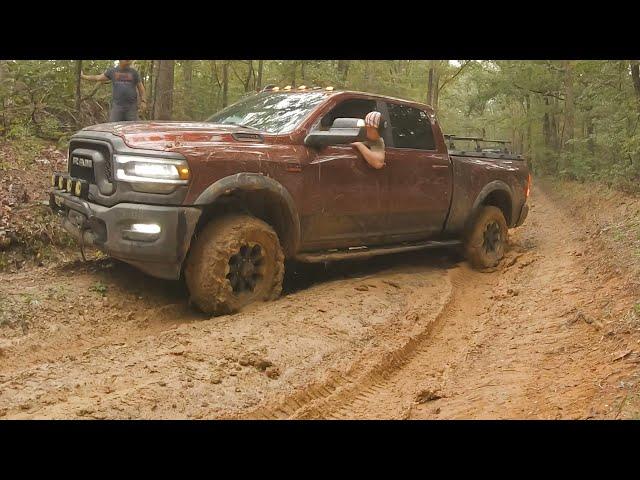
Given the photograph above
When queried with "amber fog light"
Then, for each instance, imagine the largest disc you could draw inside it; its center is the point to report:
(81, 188)
(62, 181)
(69, 187)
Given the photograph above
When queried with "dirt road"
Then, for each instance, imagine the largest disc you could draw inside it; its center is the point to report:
(552, 333)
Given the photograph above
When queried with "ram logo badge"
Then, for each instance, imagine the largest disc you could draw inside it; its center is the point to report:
(82, 162)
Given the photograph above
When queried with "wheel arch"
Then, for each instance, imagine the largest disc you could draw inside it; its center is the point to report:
(498, 194)
(258, 195)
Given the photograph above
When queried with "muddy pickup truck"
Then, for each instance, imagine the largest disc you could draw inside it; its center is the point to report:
(224, 202)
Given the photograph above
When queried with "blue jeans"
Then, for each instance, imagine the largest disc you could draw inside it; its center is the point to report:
(123, 113)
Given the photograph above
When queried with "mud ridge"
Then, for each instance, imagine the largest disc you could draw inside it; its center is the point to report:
(327, 398)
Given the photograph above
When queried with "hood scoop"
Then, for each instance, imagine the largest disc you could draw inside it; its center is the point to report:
(247, 137)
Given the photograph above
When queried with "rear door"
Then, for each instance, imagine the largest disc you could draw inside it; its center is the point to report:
(419, 174)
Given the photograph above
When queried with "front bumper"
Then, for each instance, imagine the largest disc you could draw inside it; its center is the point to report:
(159, 254)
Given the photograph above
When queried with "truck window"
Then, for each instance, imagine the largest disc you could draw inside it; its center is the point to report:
(354, 108)
(410, 127)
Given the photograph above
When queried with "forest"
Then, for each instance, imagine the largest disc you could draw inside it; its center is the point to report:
(574, 119)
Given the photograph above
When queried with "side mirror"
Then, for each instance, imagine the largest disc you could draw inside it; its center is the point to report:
(342, 131)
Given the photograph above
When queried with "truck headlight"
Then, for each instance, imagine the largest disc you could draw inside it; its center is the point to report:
(153, 175)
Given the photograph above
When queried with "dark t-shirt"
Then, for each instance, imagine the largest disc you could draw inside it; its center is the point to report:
(123, 84)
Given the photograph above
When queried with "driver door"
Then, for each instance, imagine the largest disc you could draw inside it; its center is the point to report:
(346, 198)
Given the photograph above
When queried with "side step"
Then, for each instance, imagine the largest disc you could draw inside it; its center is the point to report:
(365, 252)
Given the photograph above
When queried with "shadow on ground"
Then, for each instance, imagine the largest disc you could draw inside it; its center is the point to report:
(298, 276)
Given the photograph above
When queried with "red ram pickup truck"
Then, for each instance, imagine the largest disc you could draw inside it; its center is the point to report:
(224, 202)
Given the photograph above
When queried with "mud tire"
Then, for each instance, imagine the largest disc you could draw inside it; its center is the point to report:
(482, 248)
(208, 264)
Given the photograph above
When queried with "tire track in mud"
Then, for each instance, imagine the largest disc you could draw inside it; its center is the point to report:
(393, 393)
(337, 396)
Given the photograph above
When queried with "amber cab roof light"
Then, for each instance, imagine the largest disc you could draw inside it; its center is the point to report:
(275, 88)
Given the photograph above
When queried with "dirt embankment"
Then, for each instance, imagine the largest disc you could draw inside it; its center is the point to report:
(29, 234)
(553, 333)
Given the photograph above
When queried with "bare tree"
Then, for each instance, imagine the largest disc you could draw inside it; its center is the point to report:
(78, 92)
(432, 83)
(635, 77)
(164, 90)
(247, 81)
(568, 102)
(343, 71)
(260, 67)
(225, 84)
(187, 76)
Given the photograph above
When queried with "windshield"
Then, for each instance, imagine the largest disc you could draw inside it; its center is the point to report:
(270, 112)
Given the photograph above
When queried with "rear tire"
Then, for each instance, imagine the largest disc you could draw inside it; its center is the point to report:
(235, 260)
(486, 241)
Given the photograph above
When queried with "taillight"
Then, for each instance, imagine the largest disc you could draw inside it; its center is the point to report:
(528, 189)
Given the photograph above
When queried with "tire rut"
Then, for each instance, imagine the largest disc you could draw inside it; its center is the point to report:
(336, 397)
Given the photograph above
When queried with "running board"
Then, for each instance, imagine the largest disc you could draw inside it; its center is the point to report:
(365, 252)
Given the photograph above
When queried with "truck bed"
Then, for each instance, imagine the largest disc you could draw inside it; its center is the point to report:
(475, 172)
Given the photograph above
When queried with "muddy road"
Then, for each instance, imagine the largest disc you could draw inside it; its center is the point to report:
(553, 332)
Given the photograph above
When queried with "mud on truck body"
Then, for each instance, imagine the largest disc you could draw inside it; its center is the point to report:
(224, 202)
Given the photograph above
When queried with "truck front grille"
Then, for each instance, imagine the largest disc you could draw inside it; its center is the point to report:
(80, 168)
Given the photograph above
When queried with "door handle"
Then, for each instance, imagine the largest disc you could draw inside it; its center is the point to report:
(440, 166)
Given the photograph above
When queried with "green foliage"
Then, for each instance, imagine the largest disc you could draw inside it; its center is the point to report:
(576, 119)
(99, 287)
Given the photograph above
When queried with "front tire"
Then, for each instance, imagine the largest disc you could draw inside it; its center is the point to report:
(486, 241)
(235, 260)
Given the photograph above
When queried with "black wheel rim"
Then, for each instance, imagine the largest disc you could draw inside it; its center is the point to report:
(492, 238)
(245, 269)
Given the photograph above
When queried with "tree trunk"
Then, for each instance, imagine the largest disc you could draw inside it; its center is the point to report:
(215, 86)
(249, 75)
(433, 84)
(343, 71)
(568, 104)
(436, 89)
(528, 113)
(151, 89)
(143, 71)
(164, 90)
(635, 77)
(154, 85)
(187, 75)
(78, 94)
(3, 77)
(260, 67)
(293, 74)
(546, 125)
(225, 84)
(588, 120)
(430, 84)
(555, 128)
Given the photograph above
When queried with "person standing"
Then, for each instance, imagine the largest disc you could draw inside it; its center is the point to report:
(126, 88)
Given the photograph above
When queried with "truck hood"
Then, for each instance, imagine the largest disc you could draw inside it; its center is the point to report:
(155, 135)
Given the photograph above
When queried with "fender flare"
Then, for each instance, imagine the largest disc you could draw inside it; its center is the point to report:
(489, 188)
(254, 182)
